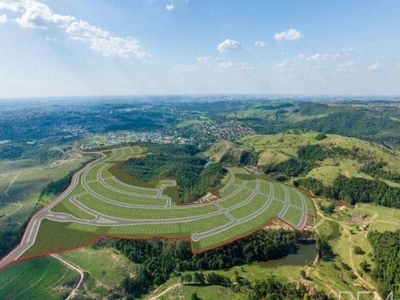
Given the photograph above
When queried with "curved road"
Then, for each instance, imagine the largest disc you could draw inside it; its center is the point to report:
(99, 219)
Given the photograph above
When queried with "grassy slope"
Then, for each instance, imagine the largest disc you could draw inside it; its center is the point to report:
(26, 188)
(280, 147)
(41, 278)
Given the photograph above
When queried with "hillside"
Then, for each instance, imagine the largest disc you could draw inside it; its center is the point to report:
(230, 154)
(345, 156)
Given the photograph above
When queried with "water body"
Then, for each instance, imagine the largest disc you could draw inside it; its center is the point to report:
(300, 255)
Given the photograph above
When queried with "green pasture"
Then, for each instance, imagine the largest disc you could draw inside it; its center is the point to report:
(40, 278)
(114, 266)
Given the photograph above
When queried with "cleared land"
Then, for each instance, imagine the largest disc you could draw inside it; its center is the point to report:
(97, 204)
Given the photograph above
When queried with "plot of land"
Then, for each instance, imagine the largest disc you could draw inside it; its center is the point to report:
(97, 204)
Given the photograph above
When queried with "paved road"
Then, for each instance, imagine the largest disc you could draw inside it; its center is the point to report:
(29, 237)
(99, 219)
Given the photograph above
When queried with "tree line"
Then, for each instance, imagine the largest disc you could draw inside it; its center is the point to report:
(160, 258)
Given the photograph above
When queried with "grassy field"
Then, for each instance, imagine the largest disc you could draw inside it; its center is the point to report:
(114, 267)
(41, 278)
(56, 237)
(280, 147)
(22, 185)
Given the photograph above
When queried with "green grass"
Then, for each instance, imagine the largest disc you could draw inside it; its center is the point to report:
(227, 190)
(27, 186)
(114, 267)
(295, 198)
(279, 192)
(242, 229)
(144, 213)
(240, 197)
(91, 174)
(123, 198)
(255, 204)
(57, 236)
(39, 278)
(293, 215)
(66, 206)
(133, 189)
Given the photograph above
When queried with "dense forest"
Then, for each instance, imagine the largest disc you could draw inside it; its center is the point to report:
(160, 258)
(353, 190)
(386, 248)
(179, 162)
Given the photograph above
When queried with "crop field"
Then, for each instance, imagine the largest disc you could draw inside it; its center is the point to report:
(98, 204)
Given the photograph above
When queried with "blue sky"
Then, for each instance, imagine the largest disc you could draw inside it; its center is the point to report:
(130, 47)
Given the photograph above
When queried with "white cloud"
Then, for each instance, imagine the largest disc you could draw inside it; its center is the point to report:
(350, 49)
(282, 65)
(323, 56)
(301, 56)
(13, 5)
(259, 43)
(169, 7)
(39, 15)
(229, 45)
(374, 67)
(35, 14)
(205, 61)
(3, 18)
(288, 35)
(234, 65)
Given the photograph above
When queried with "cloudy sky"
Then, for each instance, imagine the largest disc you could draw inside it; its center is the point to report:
(129, 47)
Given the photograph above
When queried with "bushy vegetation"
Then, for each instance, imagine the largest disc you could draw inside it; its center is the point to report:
(386, 248)
(306, 158)
(9, 239)
(181, 163)
(376, 170)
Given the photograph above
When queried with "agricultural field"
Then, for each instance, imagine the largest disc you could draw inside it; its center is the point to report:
(91, 207)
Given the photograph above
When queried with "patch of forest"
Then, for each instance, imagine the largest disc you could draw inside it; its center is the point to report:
(386, 249)
(351, 190)
(180, 162)
(160, 258)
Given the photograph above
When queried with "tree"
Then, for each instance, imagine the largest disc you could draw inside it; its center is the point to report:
(195, 297)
